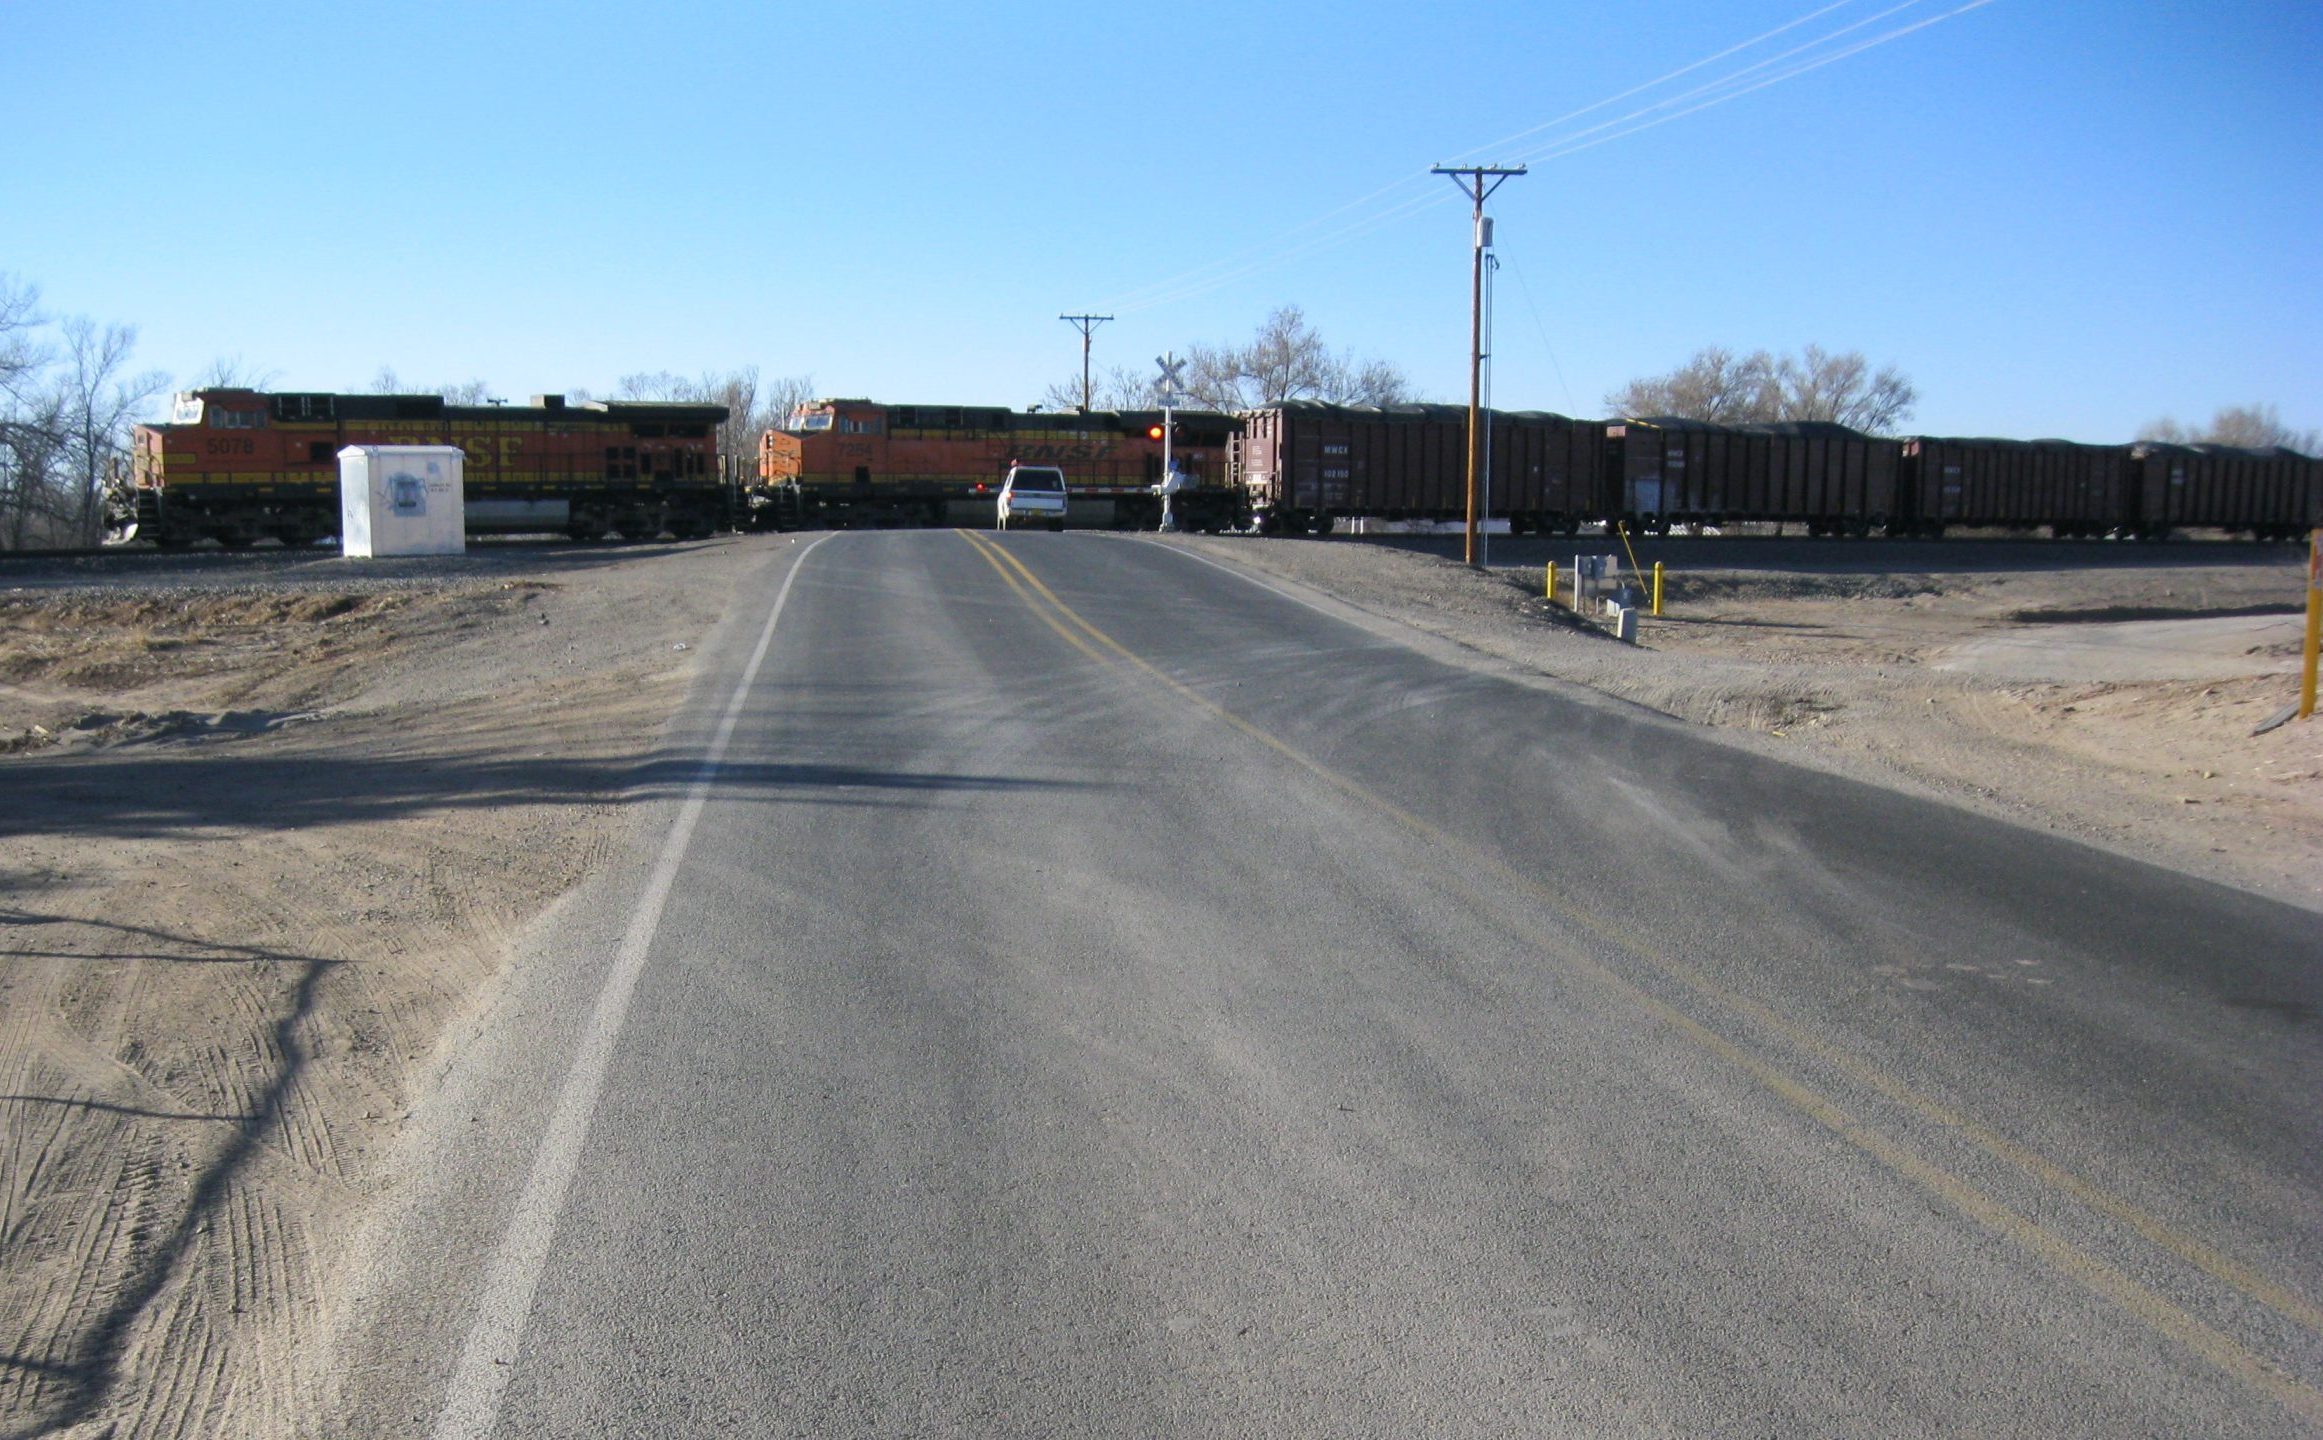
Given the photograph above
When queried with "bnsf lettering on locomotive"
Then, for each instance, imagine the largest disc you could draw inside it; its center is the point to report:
(481, 450)
(1088, 454)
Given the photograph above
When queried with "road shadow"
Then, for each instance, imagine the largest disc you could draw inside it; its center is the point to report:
(161, 945)
(137, 794)
(323, 567)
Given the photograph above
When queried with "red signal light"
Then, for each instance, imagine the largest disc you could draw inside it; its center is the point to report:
(1153, 432)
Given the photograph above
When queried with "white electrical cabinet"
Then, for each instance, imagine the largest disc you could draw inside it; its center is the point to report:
(402, 500)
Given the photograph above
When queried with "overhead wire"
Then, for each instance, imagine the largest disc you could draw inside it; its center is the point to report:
(1722, 82)
(1558, 150)
(1525, 288)
(1494, 146)
(1295, 242)
(1143, 297)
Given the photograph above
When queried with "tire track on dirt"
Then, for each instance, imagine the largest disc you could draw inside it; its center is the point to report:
(135, 1313)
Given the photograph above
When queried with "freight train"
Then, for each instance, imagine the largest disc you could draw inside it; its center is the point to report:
(1301, 466)
(237, 466)
(856, 462)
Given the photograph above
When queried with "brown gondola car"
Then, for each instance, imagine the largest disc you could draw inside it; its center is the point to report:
(2073, 489)
(2272, 494)
(237, 466)
(1303, 463)
(1833, 480)
(858, 462)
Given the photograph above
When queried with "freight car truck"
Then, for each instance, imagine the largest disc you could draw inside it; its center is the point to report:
(861, 463)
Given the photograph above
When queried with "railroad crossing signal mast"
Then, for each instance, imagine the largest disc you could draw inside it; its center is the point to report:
(1472, 182)
(1084, 324)
(1169, 387)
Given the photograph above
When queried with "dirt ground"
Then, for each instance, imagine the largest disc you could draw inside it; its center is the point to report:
(270, 824)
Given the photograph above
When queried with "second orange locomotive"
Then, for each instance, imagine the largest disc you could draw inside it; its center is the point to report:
(857, 462)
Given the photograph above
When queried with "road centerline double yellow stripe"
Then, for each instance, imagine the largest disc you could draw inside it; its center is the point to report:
(2104, 1279)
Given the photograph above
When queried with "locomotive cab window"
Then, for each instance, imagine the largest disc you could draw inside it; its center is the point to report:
(237, 419)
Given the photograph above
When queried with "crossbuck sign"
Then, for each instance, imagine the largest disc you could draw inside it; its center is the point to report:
(1172, 383)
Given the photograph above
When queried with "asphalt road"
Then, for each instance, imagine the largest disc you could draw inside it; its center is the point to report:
(1096, 994)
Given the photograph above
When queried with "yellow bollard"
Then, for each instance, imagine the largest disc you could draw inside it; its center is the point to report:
(1549, 583)
(1657, 589)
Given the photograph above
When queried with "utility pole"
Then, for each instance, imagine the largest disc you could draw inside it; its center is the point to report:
(1472, 182)
(1084, 324)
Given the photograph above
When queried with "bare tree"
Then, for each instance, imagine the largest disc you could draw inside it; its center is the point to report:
(1116, 388)
(2252, 427)
(31, 425)
(1287, 360)
(65, 411)
(464, 392)
(31, 466)
(753, 406)
(97, 403)
(1373, 382)
(1844, 390)
(21, 356)
(784, 394)
(1716, 385)
(232, 372)
(1724, 389)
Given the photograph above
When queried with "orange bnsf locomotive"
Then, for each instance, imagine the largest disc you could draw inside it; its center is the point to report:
(855, 462)
(239, 466)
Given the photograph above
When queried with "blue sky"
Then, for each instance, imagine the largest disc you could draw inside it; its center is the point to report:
(2057, 219)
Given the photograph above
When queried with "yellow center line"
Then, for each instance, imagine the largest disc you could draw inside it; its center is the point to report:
(993, 555)
(2152, 1308)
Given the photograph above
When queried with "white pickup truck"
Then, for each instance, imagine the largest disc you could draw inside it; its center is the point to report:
(1035, 493)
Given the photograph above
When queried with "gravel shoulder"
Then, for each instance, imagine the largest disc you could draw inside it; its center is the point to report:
(274, 823)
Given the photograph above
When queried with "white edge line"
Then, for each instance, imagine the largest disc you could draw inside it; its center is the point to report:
(488, 1359)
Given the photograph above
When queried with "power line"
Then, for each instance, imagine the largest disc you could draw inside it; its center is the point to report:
(1507, 140)
(1546, 344)
(1287, 245)
(1209, 275)
(1791, 74)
